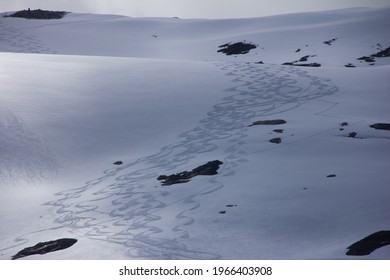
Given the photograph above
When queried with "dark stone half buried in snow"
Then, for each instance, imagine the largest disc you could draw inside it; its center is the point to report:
(369, 244)
(119, 162)
(209, 168)
(276, 140)
(382, 126)
(236, 48)
(46, 247)
(268, 122)
(303, 64)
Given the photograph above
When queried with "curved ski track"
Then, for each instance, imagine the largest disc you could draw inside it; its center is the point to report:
(123, 207)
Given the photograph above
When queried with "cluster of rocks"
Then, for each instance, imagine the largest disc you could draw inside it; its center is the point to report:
(329, 42)
(38, 14)
(209, 168)
(276, 140)
(371, 58)
(236, 48)
(303, 59)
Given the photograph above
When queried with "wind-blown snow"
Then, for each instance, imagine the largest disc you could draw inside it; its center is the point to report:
(80, 93)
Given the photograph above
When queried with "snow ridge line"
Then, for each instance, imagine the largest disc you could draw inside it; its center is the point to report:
(122, 207)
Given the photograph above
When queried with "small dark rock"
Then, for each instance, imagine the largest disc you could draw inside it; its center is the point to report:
(269, 122)
(382, 126)
(231, 205)
(46, 247)
(369, 244)
(276, 140)
(222, 212)
(259, 62)
(119, 162)
(344, 124)
(331, 176)
(352, 134)
(304, 58)
(298, 50)
(278, 130)
(350, 65)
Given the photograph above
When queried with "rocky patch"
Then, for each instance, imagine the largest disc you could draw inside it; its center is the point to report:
(46, 247)
(236, 48)
(38, 14)
(384, 53)
(329, 42)
(209, 168)
(369, 244)
(371, 59)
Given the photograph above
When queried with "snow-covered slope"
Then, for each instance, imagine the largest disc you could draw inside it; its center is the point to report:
(80, 93)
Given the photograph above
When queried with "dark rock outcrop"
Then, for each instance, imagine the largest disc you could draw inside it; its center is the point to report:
(382, 126)
(119, 162)
(384, 53)
(315, 64)
(366, 58)
(46, 247)
(236, 48)
(209, 168)
(269, 122)
(352, 134)
(277, 140)
(369, 244)
(38, 14)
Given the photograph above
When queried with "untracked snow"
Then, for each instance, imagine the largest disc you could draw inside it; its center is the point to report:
(155, 96)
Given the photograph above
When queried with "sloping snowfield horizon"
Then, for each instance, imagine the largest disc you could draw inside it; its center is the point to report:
(155, 96)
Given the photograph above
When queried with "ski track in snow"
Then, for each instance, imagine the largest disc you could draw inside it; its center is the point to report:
(14, 40)
(30, 159)
(124, 208)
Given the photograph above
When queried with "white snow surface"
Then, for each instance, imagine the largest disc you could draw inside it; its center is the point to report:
(79, 93)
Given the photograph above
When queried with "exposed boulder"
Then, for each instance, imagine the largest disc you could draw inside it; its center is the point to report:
(369, 244)
(269, 122)
(382, 126)
(46, 247)
(277, 140)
